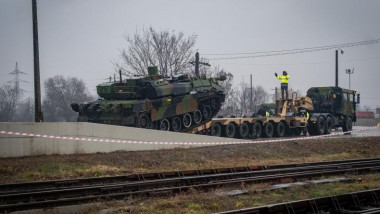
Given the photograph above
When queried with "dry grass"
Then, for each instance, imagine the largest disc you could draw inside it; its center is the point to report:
(208, 202)
(119, 163)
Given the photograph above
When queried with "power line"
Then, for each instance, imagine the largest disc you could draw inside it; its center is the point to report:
(292, 51)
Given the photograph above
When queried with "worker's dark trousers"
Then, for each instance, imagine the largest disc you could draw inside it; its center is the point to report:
(284, 89)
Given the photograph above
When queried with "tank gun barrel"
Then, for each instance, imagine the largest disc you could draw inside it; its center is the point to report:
(220, 78)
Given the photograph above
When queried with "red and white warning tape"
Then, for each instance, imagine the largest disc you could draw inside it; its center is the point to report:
(177, 143)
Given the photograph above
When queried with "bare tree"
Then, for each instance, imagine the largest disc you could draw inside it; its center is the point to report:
(25, 110)
(367, 108)
(60, 93)
(9, 98)
(169, 51)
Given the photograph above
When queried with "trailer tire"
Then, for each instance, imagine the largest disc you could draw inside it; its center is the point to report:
(231, 130)
(320, 126)
(311, 129)
(268, 130)
(280, 129)
(216, 130)
(256, 130)
(244, 130)
(329, 125)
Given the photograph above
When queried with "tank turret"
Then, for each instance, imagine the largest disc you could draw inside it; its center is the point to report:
(152, 101)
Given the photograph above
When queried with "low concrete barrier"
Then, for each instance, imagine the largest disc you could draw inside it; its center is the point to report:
(18, 146)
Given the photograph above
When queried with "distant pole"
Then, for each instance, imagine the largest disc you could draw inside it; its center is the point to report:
(275, 93)
(38, 116)
(197, 64)
(336, 68)
(349, 72)
(121, 80)
(251, 95)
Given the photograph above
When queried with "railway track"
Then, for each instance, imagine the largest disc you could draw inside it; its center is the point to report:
(356, 202)
(23, 196)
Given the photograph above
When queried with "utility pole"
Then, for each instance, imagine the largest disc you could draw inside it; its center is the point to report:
(38, 115)
(349, 72)
(121, 80)
(251, 96)
(336, 66)
(197, 63)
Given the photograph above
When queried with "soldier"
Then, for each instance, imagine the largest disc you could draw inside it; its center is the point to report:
(284, 83)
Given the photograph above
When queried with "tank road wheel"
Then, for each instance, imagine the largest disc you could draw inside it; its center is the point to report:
(347, 126)
(321, 126)
(176, 124)
(231, 130)
(216, 130)
(329, 125)
(280, 129)
(206, 111)
(186, 120)
(165, 125)
(256, 130)
(143, 121)
(244, 130)
(197, 116)
(268, 130)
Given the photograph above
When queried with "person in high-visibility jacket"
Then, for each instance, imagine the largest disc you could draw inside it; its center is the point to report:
(284, 83)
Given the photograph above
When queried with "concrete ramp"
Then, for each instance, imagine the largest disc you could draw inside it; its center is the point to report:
(18, 146)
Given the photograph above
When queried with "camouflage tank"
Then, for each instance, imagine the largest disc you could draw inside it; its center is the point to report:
(154, 102)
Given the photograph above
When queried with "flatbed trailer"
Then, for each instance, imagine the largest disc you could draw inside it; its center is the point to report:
(272, 126)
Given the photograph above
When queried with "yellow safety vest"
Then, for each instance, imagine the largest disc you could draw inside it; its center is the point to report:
(283, 78)
(267, 114)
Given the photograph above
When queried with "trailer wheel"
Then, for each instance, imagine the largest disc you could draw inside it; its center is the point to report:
(268, 130)
(311, 129)
(176, 124)
(231, 130)
(216, 130)
(280, 129)
(256, 130)
(329, 125)
(347, 126)
(320, 126)
(244, 130)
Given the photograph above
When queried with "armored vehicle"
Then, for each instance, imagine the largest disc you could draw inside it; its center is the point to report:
(155, 102)
(334, 107)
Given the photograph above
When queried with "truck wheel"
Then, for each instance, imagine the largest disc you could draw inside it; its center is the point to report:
(321, 126)
(244, 130)
(268, 130)
(165, 125)
(176, 124)
(256, 130)
(216, 130)
(280, 129)
(347, 126)
(329, 125)
(231, 130)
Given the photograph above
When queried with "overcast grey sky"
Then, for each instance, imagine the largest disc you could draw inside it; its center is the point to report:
(81, 38)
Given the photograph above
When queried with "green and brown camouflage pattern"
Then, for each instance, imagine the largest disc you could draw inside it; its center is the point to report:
(334, 100)
(146, 101)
